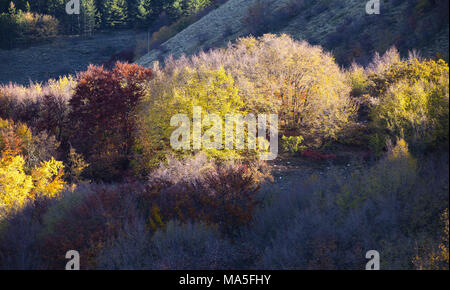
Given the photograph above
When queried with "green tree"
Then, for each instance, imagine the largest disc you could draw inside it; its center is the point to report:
(115, 13)
(138, 12)
(89, 16)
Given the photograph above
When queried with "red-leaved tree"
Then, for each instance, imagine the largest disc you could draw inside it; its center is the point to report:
(102, 116)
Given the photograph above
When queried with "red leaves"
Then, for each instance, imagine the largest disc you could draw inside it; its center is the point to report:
(103, 114)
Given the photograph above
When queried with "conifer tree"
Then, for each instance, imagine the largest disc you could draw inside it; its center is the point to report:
(115, 13)
(89, 16)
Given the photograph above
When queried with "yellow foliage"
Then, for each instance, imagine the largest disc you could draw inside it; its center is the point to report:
(47, 179)
(15, 184)
(17, 187)
(299, 82)
(412, 102)
(76, 165)
(177, 92)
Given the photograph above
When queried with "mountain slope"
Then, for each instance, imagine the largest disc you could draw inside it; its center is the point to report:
(340, 26)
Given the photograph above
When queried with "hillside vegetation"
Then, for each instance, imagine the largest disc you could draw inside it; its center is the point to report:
(86, 163)
(342, 27)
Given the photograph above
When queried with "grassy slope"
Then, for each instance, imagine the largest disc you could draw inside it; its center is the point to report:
(346, 21)
(349, 21)
(214, 30)
(65, 55)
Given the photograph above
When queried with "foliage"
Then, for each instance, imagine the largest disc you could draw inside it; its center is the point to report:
(299, 82)
(85, 220)
(102, 115)
(176, 246)
(47, 179)
(292, 145)
(130, 250)
(14, 137)
(437, 259)
(359, 79)
(189, 246)
(76, 165)
(17, 184)
(90, 16)
(19, 248)
(41, 106)
(411, 102)
(115, 13)
(330, 221)
(177, 92)
(18, 27)
(203, 210)
(199, 190)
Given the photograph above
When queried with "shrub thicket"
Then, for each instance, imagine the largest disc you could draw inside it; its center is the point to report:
(299, 82)
(412, 102)
(204, 211)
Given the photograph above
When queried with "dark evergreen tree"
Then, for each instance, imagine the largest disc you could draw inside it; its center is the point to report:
(89, 16)
(115, 13)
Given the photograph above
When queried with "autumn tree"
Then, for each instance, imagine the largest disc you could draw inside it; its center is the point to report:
(299, 82)
(18, 182)
(177, 92)
(103, 116)
(411, 101)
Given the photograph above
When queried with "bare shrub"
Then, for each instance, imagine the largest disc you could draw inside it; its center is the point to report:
(191, 246)
(129, 251)
(330, 221)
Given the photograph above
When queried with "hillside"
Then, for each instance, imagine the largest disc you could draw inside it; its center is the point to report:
(65, 55)
(340, 26)
(282, 135)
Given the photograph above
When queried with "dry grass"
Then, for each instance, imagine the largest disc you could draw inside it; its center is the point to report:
(65, 55)
(315, 22)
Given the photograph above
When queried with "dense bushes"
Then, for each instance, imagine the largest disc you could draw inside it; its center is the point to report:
(435, 258)
(177, 246)
(84, 220)
(411, 102)
(184, 210)
(44, 107)
(320, 222)
(299, 82)
(331, 221)
(177, 92)
(199, 190)
(182, 220)
(100, 220)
